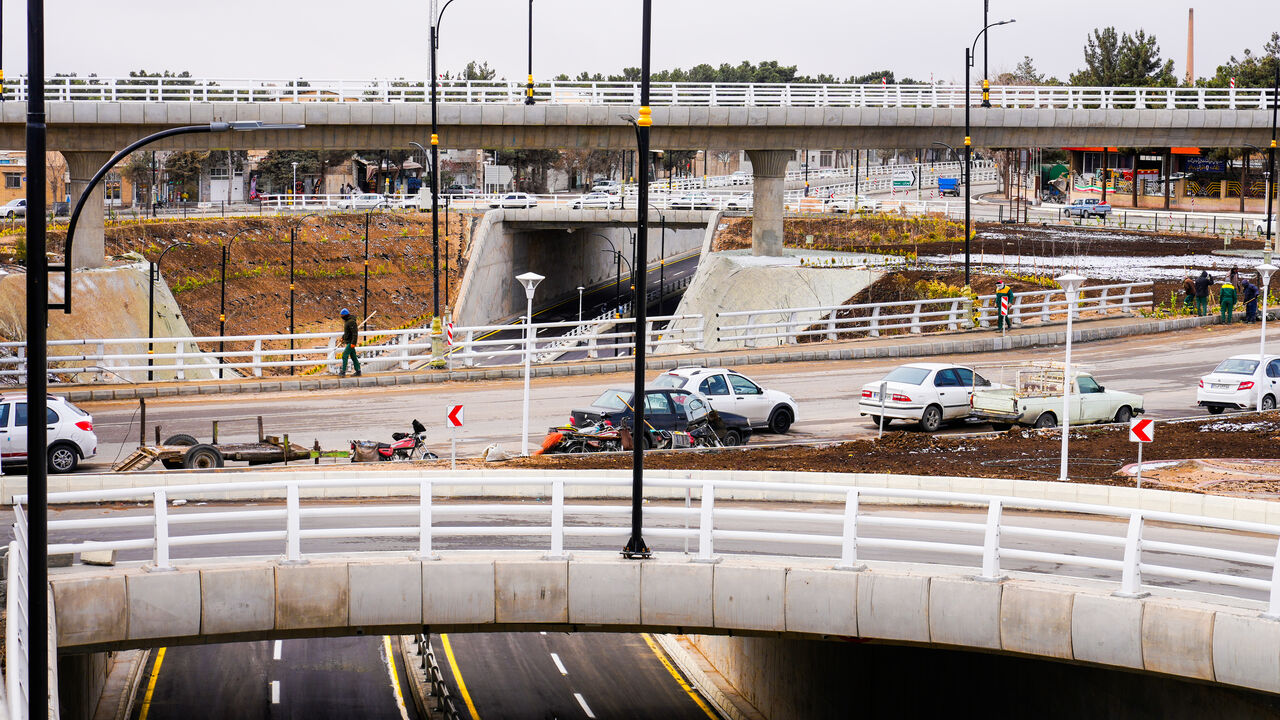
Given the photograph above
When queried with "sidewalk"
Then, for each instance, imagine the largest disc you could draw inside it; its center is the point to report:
(952, 343)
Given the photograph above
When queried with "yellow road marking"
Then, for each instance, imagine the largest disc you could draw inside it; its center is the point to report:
(457, 675)
(395, 677)
(662, 657)
(151, 685)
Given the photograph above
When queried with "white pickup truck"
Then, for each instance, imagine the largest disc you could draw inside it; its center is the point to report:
(1036, 399)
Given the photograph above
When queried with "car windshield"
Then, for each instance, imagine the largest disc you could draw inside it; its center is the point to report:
(908, 375)
(669, 380)
(612, 400)
(1237, 366)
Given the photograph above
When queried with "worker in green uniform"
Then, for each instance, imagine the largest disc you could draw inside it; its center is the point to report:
(1227, 301)
(1004, 298)
(350, 336)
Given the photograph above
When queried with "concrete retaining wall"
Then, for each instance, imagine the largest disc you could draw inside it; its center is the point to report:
(211, 601)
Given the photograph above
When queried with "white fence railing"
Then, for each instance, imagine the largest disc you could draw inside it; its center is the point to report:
(1235, 562)
(833, 322)
(202, 357)
(138, 89)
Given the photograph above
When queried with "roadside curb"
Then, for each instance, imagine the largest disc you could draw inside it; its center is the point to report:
(121, 687)
(722, 695)
(989, 343)
(406, 645)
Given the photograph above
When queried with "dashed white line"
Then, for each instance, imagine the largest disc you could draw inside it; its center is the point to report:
(559, 665)
(275, 692)
(275, 653)
(583, 702)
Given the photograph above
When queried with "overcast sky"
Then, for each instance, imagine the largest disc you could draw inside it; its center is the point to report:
(388, 38)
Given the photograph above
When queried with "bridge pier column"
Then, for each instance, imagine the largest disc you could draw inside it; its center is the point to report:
(770, 170)
(89, 250)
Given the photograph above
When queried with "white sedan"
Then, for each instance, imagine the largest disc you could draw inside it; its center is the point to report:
(1260, 226)
(1236, 382)
(926, 393)
(852, 204)
(517, 200)
(363, 201)
(732, 392)
(604, 200)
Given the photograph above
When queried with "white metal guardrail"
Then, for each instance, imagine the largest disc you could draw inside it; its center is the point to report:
(831, 322)
(1131, 549)
(138, 89)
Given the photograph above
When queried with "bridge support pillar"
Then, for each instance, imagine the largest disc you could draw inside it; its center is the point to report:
(770, 170)
(89, 250)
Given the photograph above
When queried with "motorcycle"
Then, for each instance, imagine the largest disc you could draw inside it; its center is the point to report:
(404, 446)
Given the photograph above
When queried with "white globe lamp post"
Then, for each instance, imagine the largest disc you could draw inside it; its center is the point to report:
(1264, 271)
(530, 282)
(1071, 286)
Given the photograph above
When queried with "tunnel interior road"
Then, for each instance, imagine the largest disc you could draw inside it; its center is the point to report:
(1164, 368)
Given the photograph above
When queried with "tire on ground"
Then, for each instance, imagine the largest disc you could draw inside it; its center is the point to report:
(62, 458)
(202, 457)
(1124, 414)
(1047, 420)
(931, 418)
(731, 437)
(780, 421)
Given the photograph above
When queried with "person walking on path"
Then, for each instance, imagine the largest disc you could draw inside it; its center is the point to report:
(350, 336)
(1189, 290)
(1234, 276)
(1004, 299)
(1203, 283)
(1249, 294)
(1227, 301)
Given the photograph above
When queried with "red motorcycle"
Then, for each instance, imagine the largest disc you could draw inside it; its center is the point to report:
(404, 446)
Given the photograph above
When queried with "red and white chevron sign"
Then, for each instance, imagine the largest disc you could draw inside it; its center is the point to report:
(454, 416)
(1141, 431)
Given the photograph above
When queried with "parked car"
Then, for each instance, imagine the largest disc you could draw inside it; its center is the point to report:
(745, 201)
(740, 177)
(692, 201)
(607, 186)
(515, 201)
(14, 208)
(664, 409)
(597, 200)
(460, 190)
(1036, 399)
(927, 393)
(363, 201)
(850, 204)
(1259, 226)
(729, 391)
(1235, 383)
(1088, 207)
(71, 436)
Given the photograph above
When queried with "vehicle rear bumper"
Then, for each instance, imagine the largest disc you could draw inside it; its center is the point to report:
(996, 416)
(897, 412)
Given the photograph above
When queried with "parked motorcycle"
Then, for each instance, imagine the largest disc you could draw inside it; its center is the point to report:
(404, 446)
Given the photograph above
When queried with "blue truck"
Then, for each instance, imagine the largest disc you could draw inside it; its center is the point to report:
(948, 186)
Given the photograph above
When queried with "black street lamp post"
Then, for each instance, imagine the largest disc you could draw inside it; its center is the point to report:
(968, 145)
(153, 277)
(1271, 159)
(435, 156)
(293, 238)
(528, 100)
(222, 301)
(662, 262)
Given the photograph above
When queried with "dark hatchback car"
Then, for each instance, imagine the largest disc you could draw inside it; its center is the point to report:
(664, 409)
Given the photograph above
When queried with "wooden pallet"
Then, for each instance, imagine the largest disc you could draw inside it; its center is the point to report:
(140, 459)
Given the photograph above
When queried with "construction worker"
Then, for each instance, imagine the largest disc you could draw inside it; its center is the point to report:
(350, 336)
(1004, 297)
(1227, 300)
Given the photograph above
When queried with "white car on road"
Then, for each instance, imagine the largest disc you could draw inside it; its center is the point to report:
(926, 393)
(1260, 226)
(598, 200)
(732, 392)
(1236, 382)
(14, 208)
(517, 200)
(71, 436)
(363, 201)
(853, 204)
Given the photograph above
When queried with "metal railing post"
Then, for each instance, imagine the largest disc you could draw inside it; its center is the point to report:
(424, 522)
(915, 318)
(991, 543)
(1131, 577)
(706, 520)
(293, 526)
(180, 350)
(160, 554)
(1273, 607)
(831, 326)
(874, 329)
(557, 522)
(257, 358)
(849, 540)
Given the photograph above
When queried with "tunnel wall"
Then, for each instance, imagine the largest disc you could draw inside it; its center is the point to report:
(490, 294)
(81, 680)
(816, 679)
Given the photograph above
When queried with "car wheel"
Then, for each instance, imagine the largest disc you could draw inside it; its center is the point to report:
(9, 214)
(1047, 420)
(181, 439)
(1124, 414)
(875, 421)
(1216, 409)
(731, 438)
(1268, 402)
(202, 457)
(63, 458)
(781, 421)
(931, 419)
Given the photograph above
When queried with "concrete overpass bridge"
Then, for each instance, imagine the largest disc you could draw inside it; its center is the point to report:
(91, 117)
(1008, 567)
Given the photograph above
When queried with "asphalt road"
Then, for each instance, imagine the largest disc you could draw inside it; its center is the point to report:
(535, 676)
(307, 679)
(1164, 368)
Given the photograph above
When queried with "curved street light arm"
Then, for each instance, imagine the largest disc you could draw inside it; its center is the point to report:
(973, 47)
(436, 25)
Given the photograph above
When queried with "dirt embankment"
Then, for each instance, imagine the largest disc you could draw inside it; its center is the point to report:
(328, 267)
(1097, 453)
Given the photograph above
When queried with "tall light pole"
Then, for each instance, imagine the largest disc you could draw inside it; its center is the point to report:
(1266, 176)
(222, 300)
(435, 162)
(293, 238)
(153, 276)
(986, 86)
(580, 289)
(293, 189)
(1070, 283)
(530, 282)
(968, 149)
(1264, 270)
(528, 99)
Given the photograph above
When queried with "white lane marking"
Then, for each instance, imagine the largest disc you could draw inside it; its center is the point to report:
(559, 665)
(542, 633)
(275, 653)
(583, 702)
(275, 692)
